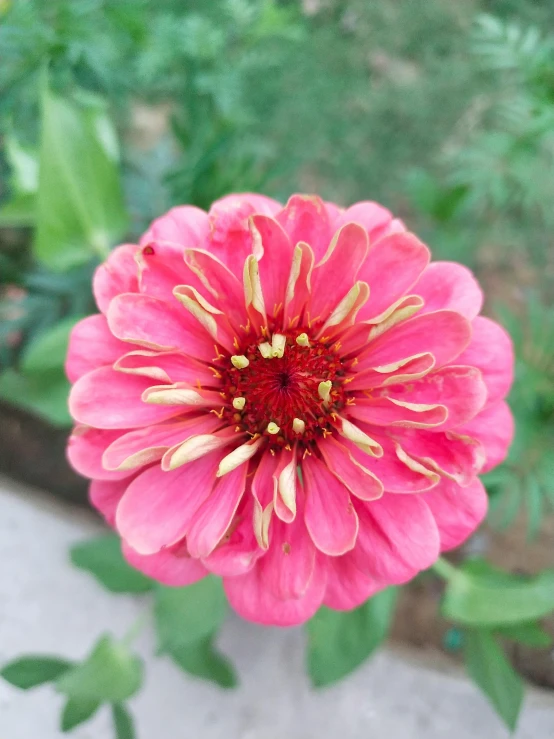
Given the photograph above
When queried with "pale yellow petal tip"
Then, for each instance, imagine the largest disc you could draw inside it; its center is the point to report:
(272, 428)
(239, 361)
(302, 340)
(298, 426)
(278, 343)
(265, 350)
(239, 403)
(324, 390)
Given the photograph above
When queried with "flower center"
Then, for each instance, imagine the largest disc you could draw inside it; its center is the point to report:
(288, 389)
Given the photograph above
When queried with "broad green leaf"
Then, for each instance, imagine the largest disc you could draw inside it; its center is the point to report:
(494, 598)
(187, 615)
(77, 710)
(44, 394)
(102, 557)
(20, 210)
(28, 672)
(80, 209)
(110, 674)
(339, 641)
(123, 722)
(487, 665)
(203, 660)
(531, 634)
(48, 351)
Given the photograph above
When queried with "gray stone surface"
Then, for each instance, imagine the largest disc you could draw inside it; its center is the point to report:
(48, 607)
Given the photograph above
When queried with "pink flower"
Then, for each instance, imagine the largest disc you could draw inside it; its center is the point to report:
(292, 398)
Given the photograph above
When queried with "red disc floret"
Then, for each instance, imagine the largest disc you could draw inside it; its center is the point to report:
(279, 390)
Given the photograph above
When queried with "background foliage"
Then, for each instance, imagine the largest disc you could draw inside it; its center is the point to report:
(112, 112)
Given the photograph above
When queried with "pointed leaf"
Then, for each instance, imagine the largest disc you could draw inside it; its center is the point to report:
(102, 557)
(339, 641)
(187, 615)
(78, 710)
(487, 665)
(203, 660)
(28, 672)
(111, 673)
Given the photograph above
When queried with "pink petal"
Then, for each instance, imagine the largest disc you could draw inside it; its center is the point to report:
(184, 225)
(273, 243)
(398, 538)
(454, 455)
(299, 284)
(491, 351)
(445, 334)
(171, 566)
(230, 238)
(154, 324)
(161, 268)
(221, 285)
(215, 515)
(460, 391)
(111, 400)
(252, 599)
(85, 449)
(289, 564)
(167, 367)
(118, 274)
(494, 429)
(146, 445)
(285, 480)
(394, 264)
(347, 586)
(355, 476)
(104, 495)
(448, 285)
(458, 511)
(158, 507)
(91, 345)
(372, 216)
(330, 517)
(238, 552)
(394, 473)
(305, 218)
(386, 411)
(331, 281)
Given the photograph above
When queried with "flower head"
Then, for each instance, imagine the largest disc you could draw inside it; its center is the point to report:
(290, 397)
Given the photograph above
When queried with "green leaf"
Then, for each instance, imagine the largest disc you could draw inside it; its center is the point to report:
(80, 209)
(187, 615)
(47, 352)
(203, 660)
(28, 672)
(43, 394)
(110, 674)
(77, 710)
(483, 596)
(123, 722)
(339, 641)
(102, 557)
(531, 634)
(487, 665)
(21, 208)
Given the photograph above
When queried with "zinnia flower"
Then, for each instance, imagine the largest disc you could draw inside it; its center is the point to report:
(292, 398)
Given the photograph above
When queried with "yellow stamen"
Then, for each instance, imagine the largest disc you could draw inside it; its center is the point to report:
(302, 340)
(324, 390)
(239, 361)
(278, 344)
(272, 428)
(298, 426)
(239, 403)
(265, 350)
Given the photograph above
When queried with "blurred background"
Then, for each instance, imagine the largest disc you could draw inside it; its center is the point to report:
(112, 111)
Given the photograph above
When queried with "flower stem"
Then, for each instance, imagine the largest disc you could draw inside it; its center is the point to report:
(444, 569)
(136, 627)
